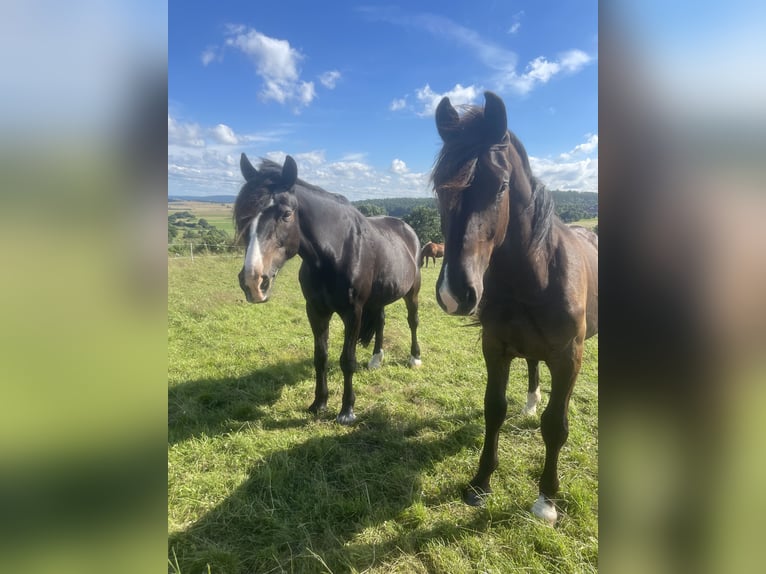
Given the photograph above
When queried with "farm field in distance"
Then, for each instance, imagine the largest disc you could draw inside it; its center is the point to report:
(257, 484)
(217, 214)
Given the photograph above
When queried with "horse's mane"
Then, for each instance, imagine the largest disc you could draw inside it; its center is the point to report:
(254, 194)
(455, 167)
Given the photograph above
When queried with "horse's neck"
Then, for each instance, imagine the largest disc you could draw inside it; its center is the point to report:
(527, 264)
(321, 219)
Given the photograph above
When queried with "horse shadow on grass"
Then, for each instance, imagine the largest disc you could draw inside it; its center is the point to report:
(329, 502)
(217, 406)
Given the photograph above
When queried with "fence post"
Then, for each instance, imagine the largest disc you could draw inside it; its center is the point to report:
(191, 250)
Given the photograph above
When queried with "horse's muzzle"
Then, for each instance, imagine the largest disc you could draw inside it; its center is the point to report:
(461, 303)
(257, 289)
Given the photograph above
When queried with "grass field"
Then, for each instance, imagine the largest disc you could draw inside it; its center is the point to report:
(590, 223)
(217, 214)
(256, 484)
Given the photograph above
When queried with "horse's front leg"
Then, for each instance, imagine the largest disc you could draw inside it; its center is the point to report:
(554, 425)
(352, 321)
(320, 327)
(498, 362)
(533, 388)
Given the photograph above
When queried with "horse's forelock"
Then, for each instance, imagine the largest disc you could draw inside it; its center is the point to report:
(456, 163)
(251, 200)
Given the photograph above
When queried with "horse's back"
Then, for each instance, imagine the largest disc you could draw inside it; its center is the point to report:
(396, 232)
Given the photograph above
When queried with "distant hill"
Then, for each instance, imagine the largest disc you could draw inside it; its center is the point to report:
(206, 198)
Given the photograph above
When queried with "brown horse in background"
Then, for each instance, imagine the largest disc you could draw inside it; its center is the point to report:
(432, 250)
(531, 280)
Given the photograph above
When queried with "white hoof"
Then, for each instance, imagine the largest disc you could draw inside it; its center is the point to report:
(415, 363)
(375, 361)
(545, 510)
(533, 399)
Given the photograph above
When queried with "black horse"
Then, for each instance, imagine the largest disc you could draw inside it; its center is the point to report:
(532, 281)
(352, 265)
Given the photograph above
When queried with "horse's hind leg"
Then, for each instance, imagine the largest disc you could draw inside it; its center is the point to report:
(320, 327)
(495, 407)
(377, 351)
(352, 321)
(533, 389)
(554, 425)
(411, 300)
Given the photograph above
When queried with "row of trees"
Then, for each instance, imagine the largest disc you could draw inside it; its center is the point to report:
(184, 229)
(420, 213)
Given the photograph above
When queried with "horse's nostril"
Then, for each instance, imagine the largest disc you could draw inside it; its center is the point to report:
(264, 283)
(470, 300)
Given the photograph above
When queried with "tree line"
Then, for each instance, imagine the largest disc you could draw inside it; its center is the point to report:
(420, 213)
(189, 229)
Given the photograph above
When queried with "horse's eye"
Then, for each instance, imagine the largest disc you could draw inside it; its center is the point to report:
(287, 215)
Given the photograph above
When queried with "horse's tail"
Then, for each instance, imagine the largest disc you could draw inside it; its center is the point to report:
(370, 321)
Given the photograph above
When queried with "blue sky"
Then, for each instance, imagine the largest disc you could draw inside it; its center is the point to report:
(348, 89)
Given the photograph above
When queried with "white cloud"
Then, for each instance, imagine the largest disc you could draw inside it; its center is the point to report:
(541, 70)
(276, 62)
(208, 56)
(184, 134)
(329, 79)
(579, 175)
(215, 170)
(457, 95)
(354, 156)
(311, 158)
(224, 134)
(398, 166)
(588, 147)
(516, 22)
(398, 104)
(494, 56)
(574, 60)
(306, 92)
(576, 169)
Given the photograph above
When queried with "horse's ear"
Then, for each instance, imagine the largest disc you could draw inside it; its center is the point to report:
(494, 116)
(289, 172)
(248, 171)
(447, 119)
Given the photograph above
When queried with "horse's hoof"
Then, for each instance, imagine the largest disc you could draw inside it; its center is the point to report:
(375, 361)
(346, 419)
(415, 363)
(317, 408)
(545, 510)
(533, 399)
(528, 411)
(474, 496)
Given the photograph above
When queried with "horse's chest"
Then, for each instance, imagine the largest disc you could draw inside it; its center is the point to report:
(526, 331)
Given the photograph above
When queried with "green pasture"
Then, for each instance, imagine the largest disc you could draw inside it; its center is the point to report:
(256, 484)
(217, 214)
(589, 223)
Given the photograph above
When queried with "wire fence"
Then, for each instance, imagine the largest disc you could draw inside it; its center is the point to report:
(190, 250)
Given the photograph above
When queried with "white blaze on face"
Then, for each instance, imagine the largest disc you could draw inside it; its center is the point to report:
(450, 303)
(254, 259)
